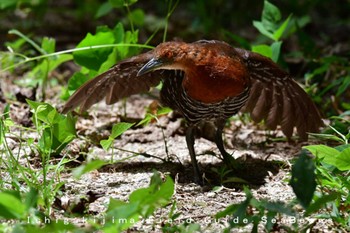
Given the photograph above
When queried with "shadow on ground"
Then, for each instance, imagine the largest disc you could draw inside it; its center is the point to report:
(249, 171)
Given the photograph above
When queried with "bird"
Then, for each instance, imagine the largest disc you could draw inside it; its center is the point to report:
(208, 81)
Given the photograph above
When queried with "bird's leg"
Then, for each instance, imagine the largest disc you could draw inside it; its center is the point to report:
(190, 146)
(228, 159)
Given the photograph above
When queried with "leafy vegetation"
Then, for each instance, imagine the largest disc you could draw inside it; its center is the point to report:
(28, 193)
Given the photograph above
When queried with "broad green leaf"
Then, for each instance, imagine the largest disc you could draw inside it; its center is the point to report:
(130, 38)
(303, 179)
(114, 203)
(48, 45)
(120, 128)
(11, 206)
(88, 167)
(119, 33)
(111, 60)
(271, 15)
(106, 143)
(57, 130)
(157, 194)
(340, 148)
(322, 151)
(77, 80)
(93, 58)
(57, 60)
(275, 49)
(342, 160)
(41, 110)
(104, 9)
(31, 199)
(264, 50)
(259, 25)
(124, 217)
(137, 16)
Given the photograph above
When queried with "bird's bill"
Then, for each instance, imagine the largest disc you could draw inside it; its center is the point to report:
(153, 64)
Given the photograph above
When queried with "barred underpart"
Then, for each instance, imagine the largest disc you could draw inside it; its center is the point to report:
(174, 95)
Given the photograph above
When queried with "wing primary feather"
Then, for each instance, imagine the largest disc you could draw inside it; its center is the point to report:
(118, 82)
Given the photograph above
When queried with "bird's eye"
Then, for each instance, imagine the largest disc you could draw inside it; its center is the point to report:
(167, 54)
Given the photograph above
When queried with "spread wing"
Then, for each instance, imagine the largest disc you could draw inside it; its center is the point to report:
(276, 98)
(118, 82)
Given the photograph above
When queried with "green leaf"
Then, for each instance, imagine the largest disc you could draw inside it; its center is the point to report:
(54, 226)
(106, 143)
(344, 86)
(117, 130)
(11, 206)
(31, 199)
(142, 202)
(342, 160)
(163, 110)
(275, 49)
(320, 202)
(260, 26)
(303, 179)
(7, 3)
(117, 3)
(147, 119)
(88, 167)
(157, 194)
(76, 81)
(58, 130)
(127, 215)
(322, 151)
(48, 44)
(264, 50)
(270, 16)
(332, 156)
(114, 203)
(137, 17)
(93, 58)
(104, 9)
(279, 32)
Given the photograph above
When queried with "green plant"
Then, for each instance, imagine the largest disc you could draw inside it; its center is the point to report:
(253, 211)
(271, 27)
(55, 132)
(119, 216)
(332, 170)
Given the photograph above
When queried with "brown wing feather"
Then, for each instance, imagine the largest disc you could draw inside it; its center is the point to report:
(118, 82)
(276, 98)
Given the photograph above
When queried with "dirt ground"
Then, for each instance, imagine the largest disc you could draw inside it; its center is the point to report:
(265, 164)
(263, 155)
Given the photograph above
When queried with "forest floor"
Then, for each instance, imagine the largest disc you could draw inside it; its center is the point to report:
(264, 156)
